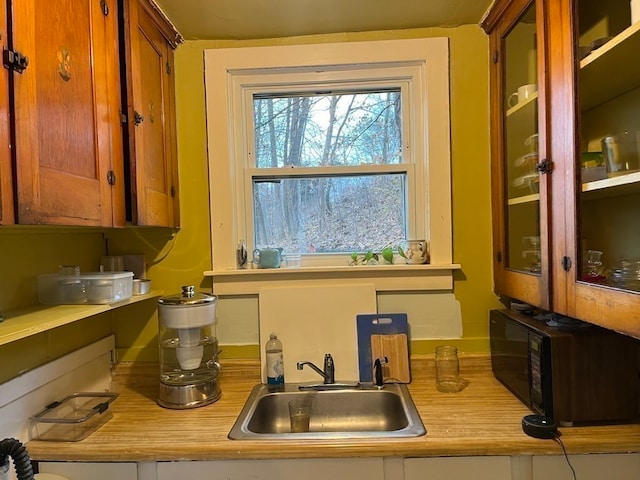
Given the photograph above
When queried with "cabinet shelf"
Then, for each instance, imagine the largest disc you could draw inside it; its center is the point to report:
(23, 323)
(534, 197)
(521, 105)
(608, 71)
(613, 187)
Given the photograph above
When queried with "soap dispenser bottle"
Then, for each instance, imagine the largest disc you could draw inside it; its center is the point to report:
(275, 364)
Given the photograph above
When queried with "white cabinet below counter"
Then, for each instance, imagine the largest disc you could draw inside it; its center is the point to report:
(294, 469)
(519, 467)
(622, 466)
(90, 470)
(458, 468)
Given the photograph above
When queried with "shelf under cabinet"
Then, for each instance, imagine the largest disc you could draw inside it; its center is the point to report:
(610, 70)
(23, 323)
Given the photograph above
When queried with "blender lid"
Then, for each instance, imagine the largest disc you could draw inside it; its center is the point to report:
(189, 296)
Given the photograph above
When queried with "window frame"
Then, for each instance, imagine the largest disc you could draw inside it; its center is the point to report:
(232, 76)
(338, 78)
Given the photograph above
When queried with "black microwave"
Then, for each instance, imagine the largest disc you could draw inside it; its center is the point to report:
(576, 374)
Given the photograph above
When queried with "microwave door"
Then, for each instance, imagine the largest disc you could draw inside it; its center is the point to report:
(510, 355)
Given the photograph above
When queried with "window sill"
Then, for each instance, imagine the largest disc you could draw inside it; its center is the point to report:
(387, 278)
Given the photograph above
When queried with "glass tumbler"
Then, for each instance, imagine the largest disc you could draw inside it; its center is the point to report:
(447, 369)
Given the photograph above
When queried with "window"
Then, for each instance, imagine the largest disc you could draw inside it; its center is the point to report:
(314, 189)
(329, 149)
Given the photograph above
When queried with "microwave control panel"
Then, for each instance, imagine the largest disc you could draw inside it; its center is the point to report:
(536, 347)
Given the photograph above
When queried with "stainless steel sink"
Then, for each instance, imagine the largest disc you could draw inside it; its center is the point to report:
(362, 412)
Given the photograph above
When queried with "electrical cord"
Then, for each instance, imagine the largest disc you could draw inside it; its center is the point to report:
(545, 428)
(564, 451)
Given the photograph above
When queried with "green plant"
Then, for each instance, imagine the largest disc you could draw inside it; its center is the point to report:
(371, 256)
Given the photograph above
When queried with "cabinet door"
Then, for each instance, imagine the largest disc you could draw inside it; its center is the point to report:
(6, 171)
(602, 182)
(519, 149)
(458, 468)
(151, 117)
(91, 471)
(68, 139)
(587, 467)
(294, 469)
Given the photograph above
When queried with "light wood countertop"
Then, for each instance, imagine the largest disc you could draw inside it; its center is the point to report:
(483, 419)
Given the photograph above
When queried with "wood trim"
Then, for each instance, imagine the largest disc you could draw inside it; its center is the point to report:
(494, 15)
(562, 118)
(7, 215)
(166, 27)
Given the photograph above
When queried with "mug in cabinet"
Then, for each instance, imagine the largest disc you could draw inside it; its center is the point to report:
(524, 93)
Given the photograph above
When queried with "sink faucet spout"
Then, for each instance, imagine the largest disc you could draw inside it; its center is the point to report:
(329, 369)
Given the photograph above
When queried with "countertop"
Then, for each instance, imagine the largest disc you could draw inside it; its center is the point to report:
(483, 419)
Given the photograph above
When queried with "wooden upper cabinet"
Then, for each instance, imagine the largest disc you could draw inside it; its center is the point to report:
(578, 212)
(67, 134)
(149, 41)
(6, 171)
(519, 149)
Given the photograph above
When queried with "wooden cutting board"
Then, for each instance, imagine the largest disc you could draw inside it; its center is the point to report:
(396, 348)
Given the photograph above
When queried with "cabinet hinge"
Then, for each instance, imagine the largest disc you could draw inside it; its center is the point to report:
(14, 60)
(111, 177)
(173, 191)
(566, 264)
(544, 166)
(105, 7)
(496, 56)
(168, 68)
(499, 257)
(123, 118)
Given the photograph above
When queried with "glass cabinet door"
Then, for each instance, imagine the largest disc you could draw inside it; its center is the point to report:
(608, 150)
(521, 151)
(521, 271)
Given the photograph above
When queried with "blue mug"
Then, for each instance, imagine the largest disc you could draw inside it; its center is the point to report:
(267, 257)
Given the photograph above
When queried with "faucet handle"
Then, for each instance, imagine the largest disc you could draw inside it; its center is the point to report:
(329, 369)
(377, 370)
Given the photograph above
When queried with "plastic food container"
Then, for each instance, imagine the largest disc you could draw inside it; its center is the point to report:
(74, 418)
(621, 153)
(91, 288)
(141, 286)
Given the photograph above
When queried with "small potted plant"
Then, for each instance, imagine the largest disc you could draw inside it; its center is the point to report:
(371, 257)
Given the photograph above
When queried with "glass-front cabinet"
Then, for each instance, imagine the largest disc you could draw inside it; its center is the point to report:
(565, 100)
(605, 285)
(519, 152)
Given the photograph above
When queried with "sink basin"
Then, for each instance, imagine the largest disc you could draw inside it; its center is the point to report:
(362, 412)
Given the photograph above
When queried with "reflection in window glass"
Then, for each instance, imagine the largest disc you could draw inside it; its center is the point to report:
(333, 129)
(330, 214)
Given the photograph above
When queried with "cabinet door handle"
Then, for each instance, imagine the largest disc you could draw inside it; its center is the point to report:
(544, 166)
(137, 118)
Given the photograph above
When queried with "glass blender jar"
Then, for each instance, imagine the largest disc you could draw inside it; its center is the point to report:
(189, 365)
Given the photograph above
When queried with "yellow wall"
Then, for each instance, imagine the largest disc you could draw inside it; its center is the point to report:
(180, 257)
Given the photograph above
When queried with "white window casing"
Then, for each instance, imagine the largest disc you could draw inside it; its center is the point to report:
(419, 66)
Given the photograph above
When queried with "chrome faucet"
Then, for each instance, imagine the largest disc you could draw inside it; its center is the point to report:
(329, 369)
